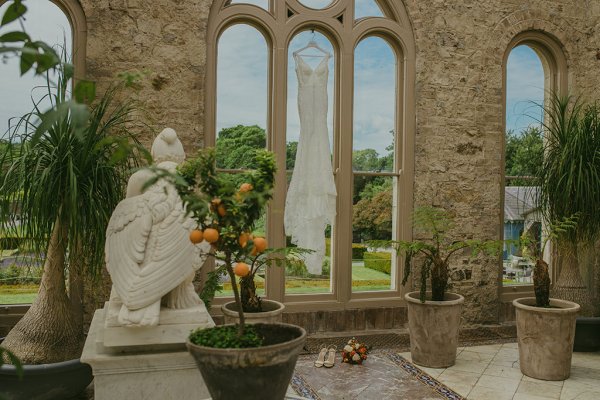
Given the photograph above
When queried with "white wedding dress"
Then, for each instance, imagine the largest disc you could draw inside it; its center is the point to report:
(311, 197)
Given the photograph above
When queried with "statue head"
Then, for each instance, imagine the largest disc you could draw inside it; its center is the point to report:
(167, 147)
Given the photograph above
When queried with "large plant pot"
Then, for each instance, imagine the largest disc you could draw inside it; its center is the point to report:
(271, 314)
(58, 381)
(261, 373)
(433, 327)
(587, 334)
(545, 338)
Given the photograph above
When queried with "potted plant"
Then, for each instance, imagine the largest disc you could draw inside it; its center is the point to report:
(434, 315)
(545, 326)
(250, 361)
(61, 167)
(569, 184)
(256, 309)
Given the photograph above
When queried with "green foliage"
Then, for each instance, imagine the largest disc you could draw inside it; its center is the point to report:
(18, 275)
(238, 146)
(524, 155)
(569, 180)
(226, 337)
(372, 217)
(358, 251)
(379, 261)
(64, 170)
(435, 249)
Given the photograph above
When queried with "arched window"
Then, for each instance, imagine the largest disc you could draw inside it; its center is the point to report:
(61, 24)
(534, 68)
(370, 122)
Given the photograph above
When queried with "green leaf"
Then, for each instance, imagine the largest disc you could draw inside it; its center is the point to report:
(85, 91)
(68, 70)
(15, 36)
(28, 58)
(13, 12)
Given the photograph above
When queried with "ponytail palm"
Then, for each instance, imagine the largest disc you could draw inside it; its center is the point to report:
(569, 183)
(66, 179)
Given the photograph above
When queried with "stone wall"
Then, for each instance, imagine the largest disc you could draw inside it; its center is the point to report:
(460, 48)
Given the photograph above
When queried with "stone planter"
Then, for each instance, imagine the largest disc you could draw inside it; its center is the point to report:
(587, 334)
(545, 338)
(261, 373)
(272, 313)
(433, 327)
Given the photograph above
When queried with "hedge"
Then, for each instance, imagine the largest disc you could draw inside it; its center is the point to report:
(379, 261)
(358, 251)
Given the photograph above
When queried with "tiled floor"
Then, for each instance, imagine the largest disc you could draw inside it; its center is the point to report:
(492, 372)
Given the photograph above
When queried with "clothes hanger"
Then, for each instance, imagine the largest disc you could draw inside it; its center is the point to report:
(312, 44)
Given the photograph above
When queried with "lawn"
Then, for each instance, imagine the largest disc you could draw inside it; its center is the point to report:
(18, 294)
(363, 279)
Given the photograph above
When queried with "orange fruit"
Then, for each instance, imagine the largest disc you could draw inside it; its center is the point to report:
(196, 236)
(260, 244)
(216, 201)
(221, 210)
(241, 269)
(243, 240)
(246, 187)
(211, 235)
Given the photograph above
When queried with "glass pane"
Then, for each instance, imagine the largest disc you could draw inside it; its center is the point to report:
(316, 3)
(372, 219)
(374, 106)
(374, 215)
(523, 155)
(260, 3)
(20, 269)
(366, 8)
(242, 73)
(309, 155)
(45, 21)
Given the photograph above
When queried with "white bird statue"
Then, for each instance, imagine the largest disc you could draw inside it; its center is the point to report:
(148, 252)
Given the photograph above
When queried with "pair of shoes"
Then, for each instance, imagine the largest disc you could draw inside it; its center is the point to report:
(328, 352)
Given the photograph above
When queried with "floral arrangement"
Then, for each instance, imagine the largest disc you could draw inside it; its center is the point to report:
(354, 352)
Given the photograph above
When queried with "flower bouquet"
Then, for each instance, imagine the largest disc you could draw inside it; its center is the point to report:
(354, 352)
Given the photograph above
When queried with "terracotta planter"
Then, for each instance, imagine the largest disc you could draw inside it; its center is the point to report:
(271, 313)
(545, 338)
(433, 327)
(261, 373)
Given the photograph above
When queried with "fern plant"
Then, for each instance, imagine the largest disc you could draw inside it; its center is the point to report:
(435, 250)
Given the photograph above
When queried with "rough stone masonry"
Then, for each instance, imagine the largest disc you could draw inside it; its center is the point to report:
(459, 104)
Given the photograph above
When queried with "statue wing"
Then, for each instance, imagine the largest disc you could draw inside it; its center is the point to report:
(148, 251)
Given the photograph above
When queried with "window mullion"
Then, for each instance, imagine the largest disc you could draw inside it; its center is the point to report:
(344, 126)
(276, 235)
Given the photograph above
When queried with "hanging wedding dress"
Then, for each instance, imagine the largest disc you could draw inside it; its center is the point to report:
(311, 196)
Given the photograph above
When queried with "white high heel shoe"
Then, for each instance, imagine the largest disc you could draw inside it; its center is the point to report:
(321, 357)
(330, 357)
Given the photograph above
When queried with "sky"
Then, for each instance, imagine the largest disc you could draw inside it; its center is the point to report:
(242, 77)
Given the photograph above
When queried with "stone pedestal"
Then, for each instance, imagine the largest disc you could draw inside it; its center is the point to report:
(145, 363)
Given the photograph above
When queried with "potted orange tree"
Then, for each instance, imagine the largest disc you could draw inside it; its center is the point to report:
(250, 361)
(434, 314)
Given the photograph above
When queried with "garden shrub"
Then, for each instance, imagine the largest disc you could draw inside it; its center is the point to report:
(379, 261)
(358, 251)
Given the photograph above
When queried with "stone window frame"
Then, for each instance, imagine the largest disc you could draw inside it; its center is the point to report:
(552, 55)
(278, 28)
